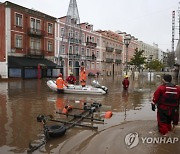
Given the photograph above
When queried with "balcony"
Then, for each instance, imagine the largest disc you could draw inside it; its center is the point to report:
(91, 44)
(35, 32)
(74, 41)
(118, 51)
(74, 57)
(109, 60)
(118, 61)
(109, 49)
(35, 52)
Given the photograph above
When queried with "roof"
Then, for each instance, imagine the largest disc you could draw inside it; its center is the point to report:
(29, 62)
(31, 11)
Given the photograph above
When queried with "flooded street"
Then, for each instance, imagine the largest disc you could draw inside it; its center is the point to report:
(21, 101)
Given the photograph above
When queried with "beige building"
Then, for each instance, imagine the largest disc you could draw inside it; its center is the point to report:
(150, 51)
(111, 45)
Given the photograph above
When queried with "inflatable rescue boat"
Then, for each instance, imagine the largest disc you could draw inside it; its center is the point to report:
(95, 89)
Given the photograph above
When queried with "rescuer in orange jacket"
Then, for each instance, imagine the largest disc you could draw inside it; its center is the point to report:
(82, 76)
(166, 97)
(60, 84)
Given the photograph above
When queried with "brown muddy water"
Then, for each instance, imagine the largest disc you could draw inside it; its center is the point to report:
(21, 101)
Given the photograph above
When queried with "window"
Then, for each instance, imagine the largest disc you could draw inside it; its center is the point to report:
(71, 34)
(88, 53)
(97, 42)
(88, 65)
(70, 63)
(35, 23)
(50, 28)
(92, 40)
(18, 20)
(63, 49)
(62, 32)
(35, 43)
(82, 51)
(18, 41)
(97, 54)
(70, 49)
(97, 66)
(77, 50)
(76, 35)
(49, 46)
(83, 37)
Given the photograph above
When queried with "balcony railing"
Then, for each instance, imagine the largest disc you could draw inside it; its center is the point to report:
(74, 57)
(35, 32)
(74, 41)
(109, 49)
(35, 52)
(109, 60)
(118, 61)
(118, 51)
(91, 44)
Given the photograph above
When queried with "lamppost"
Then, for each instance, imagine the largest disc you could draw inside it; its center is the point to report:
(127, 40)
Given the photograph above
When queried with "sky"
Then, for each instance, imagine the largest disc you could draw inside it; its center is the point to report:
(149, 21)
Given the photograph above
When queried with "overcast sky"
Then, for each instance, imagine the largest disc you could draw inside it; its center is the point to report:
(148, 20)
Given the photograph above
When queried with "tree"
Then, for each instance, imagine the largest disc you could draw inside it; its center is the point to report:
(155, 65)
(170, 59)
(138, 59)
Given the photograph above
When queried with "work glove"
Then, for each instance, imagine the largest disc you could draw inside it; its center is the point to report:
(153, 107)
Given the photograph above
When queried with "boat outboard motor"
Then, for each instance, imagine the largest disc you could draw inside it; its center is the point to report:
(96, 84)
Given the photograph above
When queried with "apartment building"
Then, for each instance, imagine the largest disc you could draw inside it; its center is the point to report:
(27, 42)
(150, 51)
(111, 45)
(76, 45)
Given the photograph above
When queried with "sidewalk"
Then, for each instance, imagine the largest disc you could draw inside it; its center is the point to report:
(112, 140)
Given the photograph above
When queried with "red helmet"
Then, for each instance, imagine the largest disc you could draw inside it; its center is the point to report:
(60, 75)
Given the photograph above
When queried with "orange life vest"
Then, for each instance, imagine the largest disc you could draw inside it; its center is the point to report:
(83, 77)
(60, 82)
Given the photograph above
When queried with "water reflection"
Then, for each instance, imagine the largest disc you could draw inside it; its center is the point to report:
(125, 95)
(21, 101)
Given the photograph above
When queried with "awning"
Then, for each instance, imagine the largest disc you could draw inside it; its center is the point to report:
(29, 62)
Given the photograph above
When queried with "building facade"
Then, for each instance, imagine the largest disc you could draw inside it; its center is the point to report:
(76, 45)
(150, 51)
(111, 45)
(26, 35)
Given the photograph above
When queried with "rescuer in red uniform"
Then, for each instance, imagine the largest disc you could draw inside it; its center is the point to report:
(71, 79)
(125, 83)
(166, 97)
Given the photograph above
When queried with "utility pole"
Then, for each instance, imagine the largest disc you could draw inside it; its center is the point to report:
(173, 30)
(179, 19)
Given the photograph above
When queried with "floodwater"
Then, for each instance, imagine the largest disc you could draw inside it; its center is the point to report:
(21, 101)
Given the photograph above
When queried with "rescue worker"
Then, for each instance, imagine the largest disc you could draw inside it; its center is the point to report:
(60, 83)
(125, 83)
(166, 97)
(82, 76)
(71, 79)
